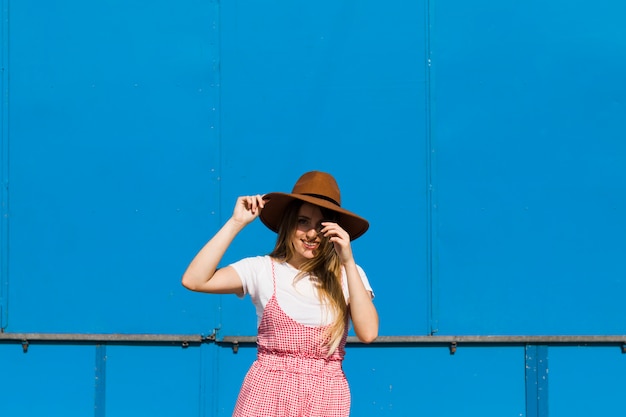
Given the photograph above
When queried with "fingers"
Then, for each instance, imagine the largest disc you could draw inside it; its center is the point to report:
(248, 208)
(340, 240)
(334, 232)
(253, 203)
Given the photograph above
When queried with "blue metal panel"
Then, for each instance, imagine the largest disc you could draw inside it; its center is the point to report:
(47, 381)
(157, 381)
(312, 86)
(431, 382)
(587, 381)
(531, 186)
(229, 370)
(112, 164)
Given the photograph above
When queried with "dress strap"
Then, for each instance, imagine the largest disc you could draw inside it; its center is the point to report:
(273, 275)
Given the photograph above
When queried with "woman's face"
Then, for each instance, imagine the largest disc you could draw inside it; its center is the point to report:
(305, 239)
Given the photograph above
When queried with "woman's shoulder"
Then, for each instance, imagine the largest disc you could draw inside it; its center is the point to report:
(255, 259)
(251, 264)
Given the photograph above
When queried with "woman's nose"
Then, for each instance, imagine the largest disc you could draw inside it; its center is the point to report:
(312, 233)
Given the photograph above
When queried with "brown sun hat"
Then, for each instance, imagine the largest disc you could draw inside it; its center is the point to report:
(317, 188)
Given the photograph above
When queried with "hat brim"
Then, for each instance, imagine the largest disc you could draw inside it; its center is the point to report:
(276, 203)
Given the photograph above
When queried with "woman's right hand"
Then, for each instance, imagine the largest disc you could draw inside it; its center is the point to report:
(248, 208)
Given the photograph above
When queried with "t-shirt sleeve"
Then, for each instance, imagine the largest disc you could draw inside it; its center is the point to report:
(248, 271)
(366, 281)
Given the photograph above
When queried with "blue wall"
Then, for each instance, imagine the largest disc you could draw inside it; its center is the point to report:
(484, 141)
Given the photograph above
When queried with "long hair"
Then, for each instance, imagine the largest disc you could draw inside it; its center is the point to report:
(324, 268)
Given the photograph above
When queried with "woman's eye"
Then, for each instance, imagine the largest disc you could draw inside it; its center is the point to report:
(303, 222)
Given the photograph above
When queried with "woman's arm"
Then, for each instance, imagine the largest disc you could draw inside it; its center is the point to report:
(202, 274)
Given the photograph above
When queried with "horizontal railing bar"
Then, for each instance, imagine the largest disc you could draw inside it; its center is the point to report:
(95, 338)
(195, 339)
(434, 340)
(502, 339)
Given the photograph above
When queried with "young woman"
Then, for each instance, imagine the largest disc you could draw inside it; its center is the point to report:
(305, 292)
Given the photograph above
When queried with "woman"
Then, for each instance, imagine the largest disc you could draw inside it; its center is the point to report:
(305, 292)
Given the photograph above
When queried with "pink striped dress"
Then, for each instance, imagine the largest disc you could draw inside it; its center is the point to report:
(292, 376)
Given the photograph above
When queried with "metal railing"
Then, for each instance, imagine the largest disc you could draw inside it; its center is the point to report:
(183, 340)
(453, 342)
(187, 340)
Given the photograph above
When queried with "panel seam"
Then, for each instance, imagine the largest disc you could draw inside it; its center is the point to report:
(4, 162)
(216, 137)
(431, 244)
(100, 381)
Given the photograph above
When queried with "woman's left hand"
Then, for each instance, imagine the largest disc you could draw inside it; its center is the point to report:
(340, 240)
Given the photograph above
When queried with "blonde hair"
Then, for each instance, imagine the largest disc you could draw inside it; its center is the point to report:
(324, 267)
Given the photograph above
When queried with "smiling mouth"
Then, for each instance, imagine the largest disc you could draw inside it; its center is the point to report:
(310, 245)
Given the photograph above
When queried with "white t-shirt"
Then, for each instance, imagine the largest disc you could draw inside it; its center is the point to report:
(298, 299)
